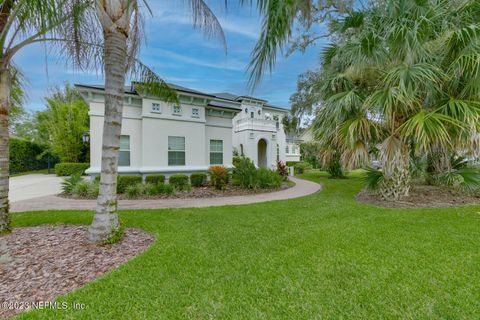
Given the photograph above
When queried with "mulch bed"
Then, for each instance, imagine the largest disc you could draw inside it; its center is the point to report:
(40, 263)
(421, 196)
(199, 192)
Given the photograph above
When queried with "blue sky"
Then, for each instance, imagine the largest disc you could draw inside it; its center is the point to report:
(183, 56)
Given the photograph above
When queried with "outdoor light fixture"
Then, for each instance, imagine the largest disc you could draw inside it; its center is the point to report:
(86, 137)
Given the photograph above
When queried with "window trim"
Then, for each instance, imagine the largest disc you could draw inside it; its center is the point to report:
(179, 113)
(177, 151)
(197, 115)
(125, 150)
(152, 108)
(215, 152)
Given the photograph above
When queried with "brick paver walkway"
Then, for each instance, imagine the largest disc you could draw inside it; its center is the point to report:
(301, 188)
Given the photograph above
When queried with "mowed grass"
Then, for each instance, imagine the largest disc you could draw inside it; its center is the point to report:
(324, 256)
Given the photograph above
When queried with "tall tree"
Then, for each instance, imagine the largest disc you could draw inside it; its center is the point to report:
(402, 75)
(22, 23)
(120, 21)
(66, 119)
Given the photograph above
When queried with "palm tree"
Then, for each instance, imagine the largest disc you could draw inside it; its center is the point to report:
(22, 23)
(120, 22)
(402, 76)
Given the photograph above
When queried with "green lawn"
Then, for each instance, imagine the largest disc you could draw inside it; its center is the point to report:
(41, 171)
(319, 257)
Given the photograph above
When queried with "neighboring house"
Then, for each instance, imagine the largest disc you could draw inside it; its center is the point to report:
(203, 130)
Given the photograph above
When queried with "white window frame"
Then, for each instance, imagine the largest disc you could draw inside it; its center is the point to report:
(177, 107)
(122, 151)
(195, 112)
(156, 107)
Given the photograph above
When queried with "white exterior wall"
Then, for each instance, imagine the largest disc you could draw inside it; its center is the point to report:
(149, 131)
(248, 132)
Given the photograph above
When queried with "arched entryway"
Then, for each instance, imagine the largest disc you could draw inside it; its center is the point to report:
(262, 153)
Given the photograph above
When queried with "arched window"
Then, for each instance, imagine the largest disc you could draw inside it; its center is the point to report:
(241, 150)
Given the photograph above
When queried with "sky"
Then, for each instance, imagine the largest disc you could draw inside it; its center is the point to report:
(183, 56)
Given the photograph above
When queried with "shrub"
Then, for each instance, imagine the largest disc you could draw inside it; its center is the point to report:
(133, 191)
(70, 169)
(68, 184)
(155, 179)
(267, 179)
(244, 172)
(86, 189)
(123, 182)
(93, 189)
(334, 167)
(81, 189)
(372, 178)
(179, 181)
(218, 176)
(198, 179)
(167, 189)
(282, 169)
(150, 189)
(27, 156)
(300, 167)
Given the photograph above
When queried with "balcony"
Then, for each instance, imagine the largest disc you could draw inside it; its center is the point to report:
(255, 124)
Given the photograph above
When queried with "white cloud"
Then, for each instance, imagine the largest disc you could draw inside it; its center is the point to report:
(229, 64)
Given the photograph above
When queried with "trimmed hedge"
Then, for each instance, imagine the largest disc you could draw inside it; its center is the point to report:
(155, 179)
(70, 169)
(301, 167)
(125, 181)
(179, 181)
(24, 156)
(198, 179)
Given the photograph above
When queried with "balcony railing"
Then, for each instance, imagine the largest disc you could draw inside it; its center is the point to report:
(256, 124)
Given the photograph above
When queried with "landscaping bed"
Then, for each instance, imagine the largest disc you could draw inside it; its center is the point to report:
(421, 196)
(37, 264)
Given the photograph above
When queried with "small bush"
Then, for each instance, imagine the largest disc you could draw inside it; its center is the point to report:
(81, 189)
(179, 181)
(155, 179)
(134, 191)
(268, 179)
(282, 170)
(123, 182)
(167, 189)
(86, 189)
(198, 179)
(244, 172)
(218, 176)
(301, 167)
(68, 184)
(70, 169)
(93, 189)
(150, 189)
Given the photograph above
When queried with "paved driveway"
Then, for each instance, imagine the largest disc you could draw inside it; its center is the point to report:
(32, 186)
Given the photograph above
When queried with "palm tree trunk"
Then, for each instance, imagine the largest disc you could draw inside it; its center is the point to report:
(105, 221)
(396, 176)
(5, 83)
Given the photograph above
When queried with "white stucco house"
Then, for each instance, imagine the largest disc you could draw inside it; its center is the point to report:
(203, 130)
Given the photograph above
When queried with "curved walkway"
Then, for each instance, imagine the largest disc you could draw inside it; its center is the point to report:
(301, 188)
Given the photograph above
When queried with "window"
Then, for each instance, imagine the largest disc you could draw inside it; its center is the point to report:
(195, 112)
(177, 110)
(156, 107)
(286, 149)
(252, 114)
(241, 150)
(277, 124)
(216, 152)
(124, 156)
(293, 149)
(278, 152)
(176, 151)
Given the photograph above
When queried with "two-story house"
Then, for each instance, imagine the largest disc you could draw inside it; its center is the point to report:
(203, 130)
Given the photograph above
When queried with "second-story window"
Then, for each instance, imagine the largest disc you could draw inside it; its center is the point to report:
(156, 107)
(195, 112)
(252, 114)
(177, 110)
